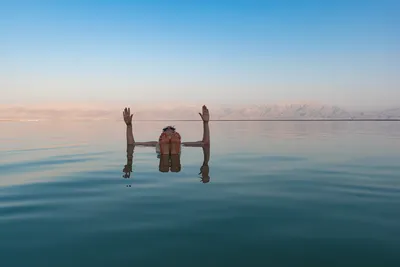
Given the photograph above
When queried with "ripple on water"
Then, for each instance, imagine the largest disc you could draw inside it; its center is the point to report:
(278, 208)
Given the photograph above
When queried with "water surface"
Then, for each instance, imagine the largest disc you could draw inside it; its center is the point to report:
(280, 194)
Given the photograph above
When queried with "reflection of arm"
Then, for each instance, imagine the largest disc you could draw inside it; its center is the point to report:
(129, 154)
(129, 160)
(206, 155)
(205, 169)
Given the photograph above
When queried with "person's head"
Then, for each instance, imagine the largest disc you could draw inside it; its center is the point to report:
(169, 130)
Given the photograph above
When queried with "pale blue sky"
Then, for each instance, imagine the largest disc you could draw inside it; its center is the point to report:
(337, 52)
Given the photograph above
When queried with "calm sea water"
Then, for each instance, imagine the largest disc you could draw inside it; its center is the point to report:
(279, 194)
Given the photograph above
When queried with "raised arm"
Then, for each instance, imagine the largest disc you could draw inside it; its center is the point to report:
(128, 121)
(129, 131)
(205, 116)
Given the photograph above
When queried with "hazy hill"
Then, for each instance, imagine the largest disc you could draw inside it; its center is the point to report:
(189, 112)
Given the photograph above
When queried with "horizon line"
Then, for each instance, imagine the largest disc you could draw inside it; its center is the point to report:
(252, 120)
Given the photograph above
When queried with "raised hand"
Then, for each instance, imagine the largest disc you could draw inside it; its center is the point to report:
(127, 116)
(205, 115)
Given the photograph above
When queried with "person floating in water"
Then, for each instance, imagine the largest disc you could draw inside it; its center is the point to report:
(168, 146)
(170, 140)
(173, 164)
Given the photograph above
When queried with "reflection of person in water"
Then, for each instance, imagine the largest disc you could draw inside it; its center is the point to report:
(168, 147)
(170, 163)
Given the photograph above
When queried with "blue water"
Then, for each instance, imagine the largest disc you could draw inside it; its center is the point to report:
(279, 194)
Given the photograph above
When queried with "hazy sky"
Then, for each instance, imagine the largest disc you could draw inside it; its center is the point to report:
(340, 52)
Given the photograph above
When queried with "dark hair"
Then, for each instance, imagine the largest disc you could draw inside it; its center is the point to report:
(169, 127)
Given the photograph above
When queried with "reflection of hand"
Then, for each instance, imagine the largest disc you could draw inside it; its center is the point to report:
(205, 115)
(204, 171)
(127, 170)
(127, 116)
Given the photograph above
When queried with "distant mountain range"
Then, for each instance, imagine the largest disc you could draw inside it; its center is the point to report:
(190, 112)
